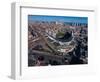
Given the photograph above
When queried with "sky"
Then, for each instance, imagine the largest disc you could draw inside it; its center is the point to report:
(57, 18)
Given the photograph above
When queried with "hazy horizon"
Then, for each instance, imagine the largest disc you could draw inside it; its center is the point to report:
(57, 18)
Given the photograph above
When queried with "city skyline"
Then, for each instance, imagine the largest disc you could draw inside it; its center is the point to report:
(57, 18)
